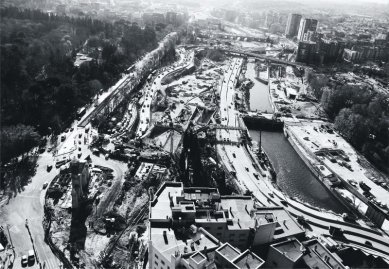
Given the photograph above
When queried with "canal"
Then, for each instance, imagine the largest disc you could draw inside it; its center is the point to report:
(293, 176)
(259, 93)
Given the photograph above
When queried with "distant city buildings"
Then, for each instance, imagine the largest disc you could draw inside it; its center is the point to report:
(293, 24)
(174, 18)
(335, 45)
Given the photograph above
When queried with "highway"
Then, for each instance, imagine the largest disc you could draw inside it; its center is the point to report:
(250, 176)
(186, 58)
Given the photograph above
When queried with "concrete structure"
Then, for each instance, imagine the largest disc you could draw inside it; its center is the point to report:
(318, 256)
(285, 254)
(232, 219)
(330, 150)
(80, 180)
(229, 257)
(292, 25)
(306, 25)
(309, 254)
(187, 226)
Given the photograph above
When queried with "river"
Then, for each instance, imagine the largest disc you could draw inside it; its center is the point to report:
(293, 175)
(259, 93)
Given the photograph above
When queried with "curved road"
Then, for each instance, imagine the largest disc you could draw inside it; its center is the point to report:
(29, 203)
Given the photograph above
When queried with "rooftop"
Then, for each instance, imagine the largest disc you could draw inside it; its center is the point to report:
(198, 257)
(160, 207)
(174, 244)
(228, 252)
(319, 256)
(248, 260)
(239, 209)
(288, 226)
(291, 249)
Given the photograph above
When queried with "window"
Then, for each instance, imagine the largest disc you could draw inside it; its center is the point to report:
(156, 263)
(241, 235)
(219, 228)
(219, 234)
(156, 256)
(163, 262)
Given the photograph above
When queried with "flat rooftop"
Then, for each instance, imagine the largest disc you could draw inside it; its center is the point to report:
(248, 260)
(288, 225)
(239, 209)
(198, 257)
(160, 207)
(174, 245)
(291, 249)
(320, 257)
(228, 252)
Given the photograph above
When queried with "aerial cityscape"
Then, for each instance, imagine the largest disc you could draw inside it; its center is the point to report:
(204, 134)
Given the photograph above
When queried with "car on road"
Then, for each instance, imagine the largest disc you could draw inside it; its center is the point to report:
(24, 261)
(233, 154)
(368, 243)
(49, 167)
(271, 195)
(45, 185)
(31, 257)
(247, 169)
(284, 203)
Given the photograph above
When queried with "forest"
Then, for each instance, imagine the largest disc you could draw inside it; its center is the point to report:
(41, 88)
(360, 114)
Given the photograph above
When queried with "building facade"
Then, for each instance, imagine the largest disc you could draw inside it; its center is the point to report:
(292, 25)
(306, 29)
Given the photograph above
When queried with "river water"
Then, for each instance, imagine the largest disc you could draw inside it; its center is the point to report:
(259, 93)
(293, 175)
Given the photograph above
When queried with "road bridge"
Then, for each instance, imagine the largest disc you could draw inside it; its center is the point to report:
(264, 57)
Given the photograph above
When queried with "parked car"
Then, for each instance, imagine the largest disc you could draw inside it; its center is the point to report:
(24, 261)
(31, 257)
(45, 185)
